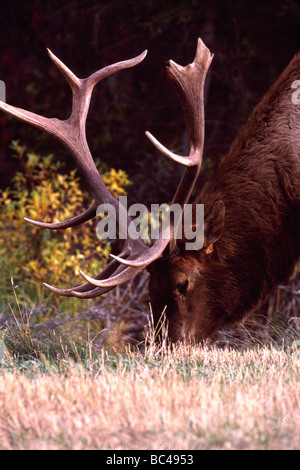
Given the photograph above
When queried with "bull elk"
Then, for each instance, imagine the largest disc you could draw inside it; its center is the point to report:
(252, 205)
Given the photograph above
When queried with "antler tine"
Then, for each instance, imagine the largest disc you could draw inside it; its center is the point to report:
(138, 262)
(147, 257)
(103, 280)
(121, 275)
(77, 220)
(118, 278)
(86, 290)
(91, 294)
(189, 160)
(188, 83)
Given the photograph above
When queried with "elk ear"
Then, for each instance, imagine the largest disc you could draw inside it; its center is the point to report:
(213, 225)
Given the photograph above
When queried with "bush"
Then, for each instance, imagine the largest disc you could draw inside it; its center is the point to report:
(31, 255)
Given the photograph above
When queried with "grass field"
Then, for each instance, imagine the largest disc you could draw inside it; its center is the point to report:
(73, 397)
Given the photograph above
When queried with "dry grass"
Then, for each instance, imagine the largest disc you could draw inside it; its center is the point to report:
(59, 391)
(187, 398)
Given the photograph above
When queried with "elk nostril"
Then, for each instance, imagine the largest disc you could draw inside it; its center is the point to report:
(182, 287)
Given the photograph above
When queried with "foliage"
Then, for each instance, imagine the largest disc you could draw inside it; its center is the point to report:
(32, 255)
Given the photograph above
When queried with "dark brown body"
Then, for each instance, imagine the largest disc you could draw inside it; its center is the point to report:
(252, 240)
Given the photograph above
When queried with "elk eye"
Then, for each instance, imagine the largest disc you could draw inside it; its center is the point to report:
(182, 287)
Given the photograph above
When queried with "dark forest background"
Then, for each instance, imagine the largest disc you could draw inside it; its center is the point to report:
(252, 41)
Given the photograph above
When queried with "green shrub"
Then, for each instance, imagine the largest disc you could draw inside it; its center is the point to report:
(30, 255)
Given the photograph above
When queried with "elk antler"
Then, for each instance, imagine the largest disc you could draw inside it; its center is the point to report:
(189, 84)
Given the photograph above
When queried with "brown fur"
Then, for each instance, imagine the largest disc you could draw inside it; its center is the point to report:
(252, 240)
